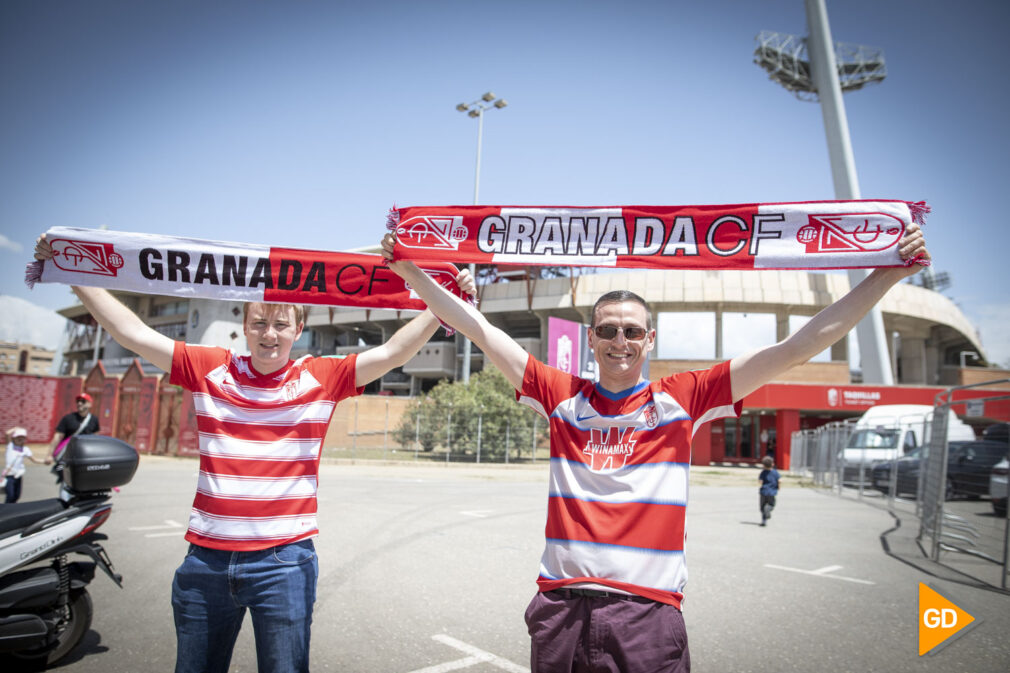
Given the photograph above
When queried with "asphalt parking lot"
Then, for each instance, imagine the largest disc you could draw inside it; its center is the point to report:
(427, 568)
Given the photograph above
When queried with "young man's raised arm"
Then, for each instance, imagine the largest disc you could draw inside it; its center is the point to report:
(500, 348)
(126, 328)
(751, 371)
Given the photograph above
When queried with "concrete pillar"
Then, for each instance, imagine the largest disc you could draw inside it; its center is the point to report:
(932, 360)
(840, 350)
(781, 325)
(718, 333)
(544, 342)
(913, 360)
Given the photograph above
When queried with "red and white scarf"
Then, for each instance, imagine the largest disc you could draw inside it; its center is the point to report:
(192, 267)
(809, 235)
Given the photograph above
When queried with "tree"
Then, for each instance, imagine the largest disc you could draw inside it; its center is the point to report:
(488, 397)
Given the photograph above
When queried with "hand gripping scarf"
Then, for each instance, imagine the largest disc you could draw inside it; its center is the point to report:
(810, 235)
(192, 267)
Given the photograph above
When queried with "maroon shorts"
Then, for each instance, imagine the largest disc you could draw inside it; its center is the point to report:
(573, 633)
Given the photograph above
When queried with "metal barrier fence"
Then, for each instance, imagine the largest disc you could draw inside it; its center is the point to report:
(958, 527)
(817, 453)
(457, 440)
(965, 534)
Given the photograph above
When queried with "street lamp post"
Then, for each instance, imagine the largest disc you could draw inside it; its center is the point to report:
(476, 110)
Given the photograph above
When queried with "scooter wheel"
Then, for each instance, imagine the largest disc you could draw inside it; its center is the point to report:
(72, 630)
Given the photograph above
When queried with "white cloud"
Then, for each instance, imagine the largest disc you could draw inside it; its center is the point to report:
(8, 244)
(25, 322)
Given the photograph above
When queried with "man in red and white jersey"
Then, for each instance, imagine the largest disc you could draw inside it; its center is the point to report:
(612, 572)
(262, 419)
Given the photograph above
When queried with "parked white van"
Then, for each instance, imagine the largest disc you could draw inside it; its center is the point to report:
(889, 431)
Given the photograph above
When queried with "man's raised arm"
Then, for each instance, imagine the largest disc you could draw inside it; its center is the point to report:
(126, 328)
(751, 371)
(500, 348)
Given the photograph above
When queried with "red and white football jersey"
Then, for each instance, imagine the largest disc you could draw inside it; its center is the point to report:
(261, 438)
(618, 480)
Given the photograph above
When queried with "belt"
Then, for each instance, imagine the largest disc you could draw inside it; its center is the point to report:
(591, 593)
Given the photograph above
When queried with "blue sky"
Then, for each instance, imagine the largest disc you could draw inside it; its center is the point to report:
(300, 123)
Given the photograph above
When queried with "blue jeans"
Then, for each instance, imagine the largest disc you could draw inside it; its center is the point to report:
(13, 489)
(212, 590)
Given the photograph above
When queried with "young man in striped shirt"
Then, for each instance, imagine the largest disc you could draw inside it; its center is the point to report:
(262, 419)
(612, 572)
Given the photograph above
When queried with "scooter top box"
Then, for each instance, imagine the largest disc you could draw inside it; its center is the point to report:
(98, 463)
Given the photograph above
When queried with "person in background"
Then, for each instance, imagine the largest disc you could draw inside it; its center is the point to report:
(14, 467)
(80, 422)
(769, 479)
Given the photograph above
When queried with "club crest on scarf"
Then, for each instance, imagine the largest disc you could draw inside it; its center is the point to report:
(432, 232)
(609, 448)
(854, 232)
(86, 257)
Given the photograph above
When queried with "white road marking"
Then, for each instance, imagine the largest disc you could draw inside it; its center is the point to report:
(175, 527)
(168, 524)
(825, 570)
(450, 666)
(476, 656)
(822, 572)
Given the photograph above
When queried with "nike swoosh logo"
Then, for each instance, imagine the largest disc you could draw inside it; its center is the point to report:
(584, 418)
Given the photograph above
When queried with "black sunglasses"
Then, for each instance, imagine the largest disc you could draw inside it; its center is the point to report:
(608, 332)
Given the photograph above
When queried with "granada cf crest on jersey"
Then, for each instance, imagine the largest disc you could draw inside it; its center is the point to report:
(85, 257)
(437, 232)
(609, 448)
(651, 415)
(853, 232)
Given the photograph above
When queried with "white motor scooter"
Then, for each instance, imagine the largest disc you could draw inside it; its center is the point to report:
(45, 608)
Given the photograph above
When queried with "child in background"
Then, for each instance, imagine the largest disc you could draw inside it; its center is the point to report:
(14, 468)
(769, 478)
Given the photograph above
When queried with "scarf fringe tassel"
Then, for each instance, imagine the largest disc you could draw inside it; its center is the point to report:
(918, 211)
(33, 273)
(392, 218)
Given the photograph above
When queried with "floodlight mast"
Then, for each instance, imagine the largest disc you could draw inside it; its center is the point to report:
(818, 77)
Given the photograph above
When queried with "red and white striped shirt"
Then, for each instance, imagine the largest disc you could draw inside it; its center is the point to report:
(261, 438)
(618, 480)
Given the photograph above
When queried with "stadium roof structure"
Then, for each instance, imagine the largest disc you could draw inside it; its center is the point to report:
(787, 62)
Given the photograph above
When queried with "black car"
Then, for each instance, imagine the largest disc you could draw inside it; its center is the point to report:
(968, 467)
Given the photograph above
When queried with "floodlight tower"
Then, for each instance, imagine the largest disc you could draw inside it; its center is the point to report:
(476, 111)
(812, 70)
